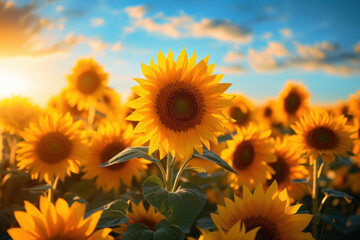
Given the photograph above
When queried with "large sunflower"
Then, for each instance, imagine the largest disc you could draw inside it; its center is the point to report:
(180, 105)
(139, 214)
(288, 167)
(52, 147)
(16, 113)
(320, 134)
(236, 232)
(87, 83)
(270, 210)
(243, 112)
(110, 139)
(57, 221)
(249, 153)
(292, 103)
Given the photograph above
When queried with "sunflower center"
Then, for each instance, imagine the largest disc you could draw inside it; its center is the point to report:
(109, 151)
(54, 147)
(322, 138)
(243, 155)
(268, 112)
(240, 117)
(281, 169)
(88, 82)
(179, 106)
(267, 231)
(292, 102)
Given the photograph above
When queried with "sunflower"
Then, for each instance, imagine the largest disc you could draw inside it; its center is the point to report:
(354, 104)
(287, 167)
(110, 103)
(139, 214)
(342, 108)
(270, 210)
(60, 104)
(180, 105)
(52, 147)
(87, 84)
(110, 139)
(292, 103)
(265, 113)
(16, 113)
(243, 112)
(249, 153)
(57, 221)
(236, 232)
(320, 134)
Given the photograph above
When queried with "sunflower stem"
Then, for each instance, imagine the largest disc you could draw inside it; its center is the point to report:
(91, 117)
(169, 172)
(12, 142)
(178, 175)
(51, 190)
(315, 198)
(162, 172)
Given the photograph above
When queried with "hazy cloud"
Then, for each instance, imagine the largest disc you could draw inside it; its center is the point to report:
(186, 26)
(286, 32)
(59, 8)
(97, 22)
(116, 47)
(357, 48)
(232, 70)
(233, 56)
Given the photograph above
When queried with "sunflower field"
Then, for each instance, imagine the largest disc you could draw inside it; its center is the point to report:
(183, 158)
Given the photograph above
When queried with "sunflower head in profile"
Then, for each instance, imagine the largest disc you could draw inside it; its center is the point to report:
(269, 210)
(16, 113)
(180, 106)
(249, 153)
(265, 114)
(52, 147)
(242, 112)
(57, 221)
(110, 103)
(110, 139)
(139, 214)
(87, 84)
(292, 103)
(288, 166)
(320, 134)
(236, 232)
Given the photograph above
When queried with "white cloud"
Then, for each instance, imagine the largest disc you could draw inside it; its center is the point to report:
(186, 26)
(97, 22)
(233, 56)
(116, 47)
(267, 35)
(276, 49)
(232, 70)
(286, 32)
(59, 8)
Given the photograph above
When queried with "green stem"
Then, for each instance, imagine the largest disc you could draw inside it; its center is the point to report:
(169, 172)
(315, 198)
(91, 117)
(52, 189)
(179, 174)
(12, 142)
(163, 173)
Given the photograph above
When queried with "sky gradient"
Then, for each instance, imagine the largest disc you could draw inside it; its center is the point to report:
(258, 45)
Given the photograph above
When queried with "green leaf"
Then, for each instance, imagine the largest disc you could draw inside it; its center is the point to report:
(130, 153)
(303, 180)
(224, 138)
(334, 193)
(163, 230)
(195, 169)
(181, 207)
(211, 156)
(335, 218)
(39, 188)
(114, 214)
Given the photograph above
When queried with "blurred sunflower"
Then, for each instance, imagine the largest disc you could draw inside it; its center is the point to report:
(52, 147)
(127, 111)
(236, 232)
(342, 108)
(139, 214)
(57, 221)
(60, 104)
(242, 112)
(249, 154)
(180, 105)
(265, 113)
(287, 167)
(87, 84)
(354, 104)
(320, 134)
(270, 210)
(110, 139)
(292, 103)
(16, 113)
(110, 103)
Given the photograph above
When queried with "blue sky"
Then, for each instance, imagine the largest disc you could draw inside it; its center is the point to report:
(258, 45)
